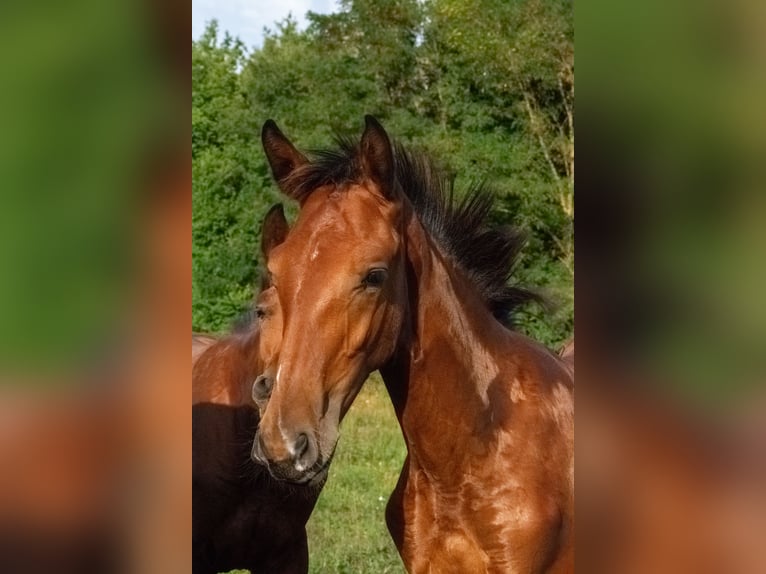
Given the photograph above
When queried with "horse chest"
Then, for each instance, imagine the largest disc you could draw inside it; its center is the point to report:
(465, 530)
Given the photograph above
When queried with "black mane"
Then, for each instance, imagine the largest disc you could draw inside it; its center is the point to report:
(487, 255)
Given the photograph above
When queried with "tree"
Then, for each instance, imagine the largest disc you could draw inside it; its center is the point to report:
(485, 87)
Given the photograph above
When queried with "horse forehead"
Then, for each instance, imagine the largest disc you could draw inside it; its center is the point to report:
(314, 230)
(353, 209)
(340, 221)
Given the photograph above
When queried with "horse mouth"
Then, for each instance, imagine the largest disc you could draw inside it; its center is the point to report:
(284, 471)
(317, 475)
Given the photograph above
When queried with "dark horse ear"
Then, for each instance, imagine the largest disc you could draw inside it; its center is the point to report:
(275, 229)
(283, 157)
(377, 155)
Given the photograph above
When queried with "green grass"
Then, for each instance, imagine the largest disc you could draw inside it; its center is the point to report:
(347, 531)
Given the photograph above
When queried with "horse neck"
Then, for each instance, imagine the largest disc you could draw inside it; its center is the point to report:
(440, 377)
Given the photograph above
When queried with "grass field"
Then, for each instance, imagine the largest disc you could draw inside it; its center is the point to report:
(347, 531)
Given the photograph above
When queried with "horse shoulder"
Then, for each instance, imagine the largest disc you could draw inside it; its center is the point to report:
(536, 442)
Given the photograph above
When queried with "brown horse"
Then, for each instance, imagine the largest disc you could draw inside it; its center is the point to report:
(384, 270)
(242, 517)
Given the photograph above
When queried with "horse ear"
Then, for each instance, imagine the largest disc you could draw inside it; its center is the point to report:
(275, 229)
(377, 155)
(283, 157)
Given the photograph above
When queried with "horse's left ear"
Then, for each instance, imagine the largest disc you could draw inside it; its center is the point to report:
(377, 155)
(283, 156)
(275, 229)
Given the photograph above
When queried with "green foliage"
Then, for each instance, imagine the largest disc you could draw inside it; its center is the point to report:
(484, 86)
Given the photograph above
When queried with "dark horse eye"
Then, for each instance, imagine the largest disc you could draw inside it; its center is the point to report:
(260, 312)
(375, 277)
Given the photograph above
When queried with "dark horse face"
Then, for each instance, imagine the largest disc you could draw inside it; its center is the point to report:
(338, 280)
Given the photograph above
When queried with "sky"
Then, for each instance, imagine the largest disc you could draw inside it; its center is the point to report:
(246, 18)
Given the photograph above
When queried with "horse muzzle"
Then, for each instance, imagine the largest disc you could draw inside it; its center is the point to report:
(302, 463)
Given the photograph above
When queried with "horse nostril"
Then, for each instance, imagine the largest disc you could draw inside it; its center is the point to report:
(262, 388)
(301, 445)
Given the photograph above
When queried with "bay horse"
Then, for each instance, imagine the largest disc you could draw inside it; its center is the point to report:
(384, 269)
(242, 517)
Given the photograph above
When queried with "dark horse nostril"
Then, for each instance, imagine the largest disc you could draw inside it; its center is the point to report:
(301, 445)
(262, 388)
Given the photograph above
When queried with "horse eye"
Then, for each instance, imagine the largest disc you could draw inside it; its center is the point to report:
(260, 312)
(375, 277)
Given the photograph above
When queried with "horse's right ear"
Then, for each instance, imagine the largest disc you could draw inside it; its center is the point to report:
(283, 157)
(275, 229)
